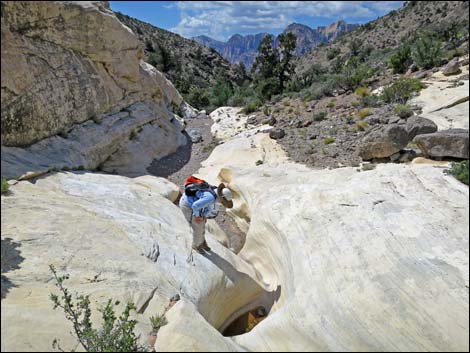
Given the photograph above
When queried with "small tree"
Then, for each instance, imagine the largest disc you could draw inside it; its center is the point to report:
(266, 62)
(287, 43)
(115, 335)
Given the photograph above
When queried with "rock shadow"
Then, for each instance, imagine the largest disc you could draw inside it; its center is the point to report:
(262, 303)
(10, 260)
(172, 163)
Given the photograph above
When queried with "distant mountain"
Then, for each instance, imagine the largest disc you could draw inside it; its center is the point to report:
(308, 38)
(244, 48)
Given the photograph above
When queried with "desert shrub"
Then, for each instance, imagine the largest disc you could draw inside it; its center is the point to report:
(360, 125)
(221, 93)
(157, 322)
(175, 108)
(427, 52)
(115, 334)
(362, 92)
(332, 53)
(252, 105)
(331, 104)
(328, 140)
(198, 97)
(401, 60)
(460, 171)
(4, 186)
(361, 114)
(403, 111)
(354, 74)
(355, 103)
(401, 90)
(319, 116)
(370, 101)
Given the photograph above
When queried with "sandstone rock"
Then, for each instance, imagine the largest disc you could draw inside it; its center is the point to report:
(464, 62)
(76, 96)
(421, 75)
(382, 142)
(417, 125)
(125, 143)
(108, 227)
(452, 68)
(444, 103)
(447, 143)
(277, 134)
(195, 135)
(270, 120)
(252, 120)
(188, 111)
(100, 62)
(366, 215)
(232, 123)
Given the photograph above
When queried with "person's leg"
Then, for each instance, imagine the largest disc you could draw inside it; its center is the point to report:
(198, 229)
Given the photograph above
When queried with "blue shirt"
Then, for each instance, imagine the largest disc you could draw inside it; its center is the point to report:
(201, 203)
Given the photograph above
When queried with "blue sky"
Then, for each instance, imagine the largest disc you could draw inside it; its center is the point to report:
(222, 19)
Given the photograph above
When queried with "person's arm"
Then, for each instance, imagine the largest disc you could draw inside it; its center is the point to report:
(204, 201)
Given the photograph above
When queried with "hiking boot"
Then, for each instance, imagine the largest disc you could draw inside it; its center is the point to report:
(203, 247)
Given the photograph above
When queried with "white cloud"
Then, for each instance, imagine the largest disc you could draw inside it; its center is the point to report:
(220, 19)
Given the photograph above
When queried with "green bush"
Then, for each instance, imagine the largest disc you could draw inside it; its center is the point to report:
(427, 52)
(252, 106)
(401, 90)
(370, 101)
(4, 186)
(221, 93)
(115, 334)
(332, 53)
(361, 114)
(157, 322)
(362, 92)
(320, 116)
(361, 125)
(328, 140)
(198, 97)
(331, 104)
(403, 111)
(460, 171)
(401, 60)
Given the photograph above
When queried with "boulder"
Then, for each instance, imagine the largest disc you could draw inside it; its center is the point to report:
(270, 120)
(420, 75)
(383, 141)
(195, 135)
(417, 125)
(447, 143)
(277, 134)
(252, 120)
(452, 68)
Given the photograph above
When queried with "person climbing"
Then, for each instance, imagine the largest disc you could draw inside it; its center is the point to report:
(199, 203)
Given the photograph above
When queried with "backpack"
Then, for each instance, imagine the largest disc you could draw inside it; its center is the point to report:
(192, 185)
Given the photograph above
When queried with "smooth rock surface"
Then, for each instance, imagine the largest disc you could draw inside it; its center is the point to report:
(372, 261)
(118, 238)
(444, 102)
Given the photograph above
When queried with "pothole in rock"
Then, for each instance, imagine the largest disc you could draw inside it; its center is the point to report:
(246, 322)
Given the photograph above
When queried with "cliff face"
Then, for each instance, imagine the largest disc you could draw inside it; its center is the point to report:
(65, 64)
